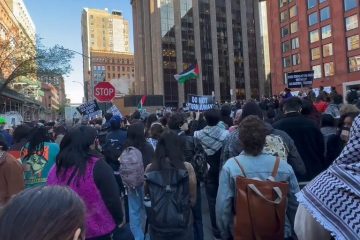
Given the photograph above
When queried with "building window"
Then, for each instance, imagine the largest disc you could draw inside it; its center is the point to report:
(113, 68)
(313, 18)
(293, 11)
(354, 64)
(351, 22)
(108, 68)
(314, 36)
(353, 42)
(317, 71)
(119, 75)
(284, 16)
(329, 69)
(294, 27)
(324, 14)
(350, 4)
(109, 75)
(312, 3)
(326, 32)
(315, 53)
(285, 46)
(123, 69)
(296, 59)
(295, 43)
(285, 31)
(328, 50)
(287, 62)
(118, 68)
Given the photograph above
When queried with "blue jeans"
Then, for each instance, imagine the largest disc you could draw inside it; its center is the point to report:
(136, 212)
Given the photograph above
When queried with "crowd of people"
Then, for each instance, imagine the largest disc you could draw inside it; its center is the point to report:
(141, 178)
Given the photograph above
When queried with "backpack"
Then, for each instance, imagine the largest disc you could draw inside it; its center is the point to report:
(112, 149)
(131, 167)
(260, 207)
(275, 146)
(169, 209)
(199, 161)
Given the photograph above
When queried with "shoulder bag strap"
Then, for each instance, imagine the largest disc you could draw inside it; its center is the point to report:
(276, 167)
(241, 167)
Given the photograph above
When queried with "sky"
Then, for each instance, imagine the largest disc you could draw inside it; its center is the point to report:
(59, 22)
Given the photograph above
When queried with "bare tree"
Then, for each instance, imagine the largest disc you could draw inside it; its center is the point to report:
(21, 57)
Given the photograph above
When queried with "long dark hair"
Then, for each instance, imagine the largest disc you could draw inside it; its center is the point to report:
(169, 150)
(36, 142)
(75, 150)
(44, 213)
(136, 136)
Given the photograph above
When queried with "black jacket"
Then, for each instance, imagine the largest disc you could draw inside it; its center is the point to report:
(308, 140)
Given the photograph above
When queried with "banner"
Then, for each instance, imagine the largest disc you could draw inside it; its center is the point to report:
(200, 103)
(89, 108)
(300, 79)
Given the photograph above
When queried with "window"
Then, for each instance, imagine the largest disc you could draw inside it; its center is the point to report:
(329, 69)
(285, 46)
(326, 32)
(315, 53)
(353, 42)
(113, 75)
(118, 68)
(313, 18)
(282, 2)
(113, 68)
(287, 61)
(293, 11)
(119, 75)
(321, 1)
(314, 36)
(108, 68)
(123, 69)
(284, 16)
(296, 59)
(294, 27)
(317, 71)
(285, 31)
(324, 14)
(312, 3)
(350, 4)
(328, 50)
(109, 75)
(295, 43)
(354, 64)
(351, 22)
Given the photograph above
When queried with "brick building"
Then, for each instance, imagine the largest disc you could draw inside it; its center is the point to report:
(319, 35)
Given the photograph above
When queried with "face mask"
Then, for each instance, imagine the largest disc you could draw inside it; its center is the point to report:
(345, 133)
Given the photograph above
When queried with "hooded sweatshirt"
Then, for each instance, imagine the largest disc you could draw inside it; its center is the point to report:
(11, 177)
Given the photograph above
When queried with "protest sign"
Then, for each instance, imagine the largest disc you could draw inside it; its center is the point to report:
(115, 111)
(88, 108)
(300, 79)
(200, 103)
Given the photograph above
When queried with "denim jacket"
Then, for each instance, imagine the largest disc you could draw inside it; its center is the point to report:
(259, 167)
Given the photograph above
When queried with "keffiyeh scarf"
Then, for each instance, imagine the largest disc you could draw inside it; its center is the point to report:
(212, 138)
(333, 197)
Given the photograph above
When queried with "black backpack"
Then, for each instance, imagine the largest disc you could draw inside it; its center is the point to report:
(199, 161)
(169, 212)
(112, 149)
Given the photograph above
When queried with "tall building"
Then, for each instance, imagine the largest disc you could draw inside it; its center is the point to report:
(319, 35)
(223, 36)
(105, 34)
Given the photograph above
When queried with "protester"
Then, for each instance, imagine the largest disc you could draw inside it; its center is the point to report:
(114, 141)
(45, 213)
(309, 111)
(320, 104)
(334, 107)
(11, 174)
(212, 139)
(236, 121)
(332, 141)
(311, 94)
(84, 171)
(329, 205)
(225, 115)
(345, 124)
(306, 135)
(156, 129)
(5, 133)
(59, 133)
(106, 125)
(149, 121)
(21, 134)
(38, 157)
(256, 165)
(169, 215)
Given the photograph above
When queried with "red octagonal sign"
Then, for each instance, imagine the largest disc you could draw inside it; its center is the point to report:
(104, 92)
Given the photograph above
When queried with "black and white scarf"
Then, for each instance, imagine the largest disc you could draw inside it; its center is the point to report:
(333, 197)
(212, 138)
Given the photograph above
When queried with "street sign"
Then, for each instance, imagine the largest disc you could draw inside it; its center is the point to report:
(104, 92)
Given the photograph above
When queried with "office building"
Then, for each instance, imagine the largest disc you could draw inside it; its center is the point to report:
(105, 36)
(318, 35)
(222, 36)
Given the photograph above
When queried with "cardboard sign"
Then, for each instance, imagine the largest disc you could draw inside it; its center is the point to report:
(88, 108)
(300, 79)
(200, 103)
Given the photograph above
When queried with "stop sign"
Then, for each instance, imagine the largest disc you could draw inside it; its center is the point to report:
(104, 92)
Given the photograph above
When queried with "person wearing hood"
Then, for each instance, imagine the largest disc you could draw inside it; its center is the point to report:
(11, 174)
(212, 139)
(233, 146)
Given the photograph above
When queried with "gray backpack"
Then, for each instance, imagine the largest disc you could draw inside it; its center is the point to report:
(131, 167)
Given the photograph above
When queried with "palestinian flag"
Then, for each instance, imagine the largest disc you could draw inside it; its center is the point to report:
(141, 103)
(190, 73)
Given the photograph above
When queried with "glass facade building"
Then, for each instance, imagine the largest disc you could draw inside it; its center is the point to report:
(219, 35)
